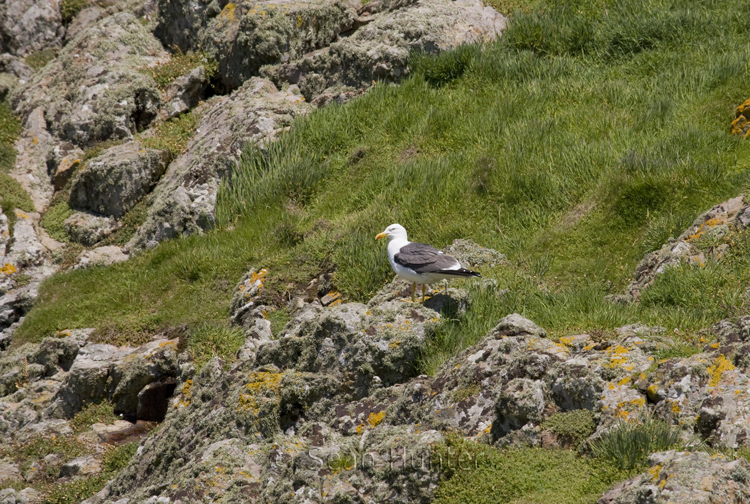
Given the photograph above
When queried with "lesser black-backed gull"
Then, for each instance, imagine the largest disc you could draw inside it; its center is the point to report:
(420, 263)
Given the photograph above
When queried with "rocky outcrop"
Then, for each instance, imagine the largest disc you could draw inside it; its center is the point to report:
(113, 182)
(693, 246)
(686, 477)
(184, 201)
(96, 86)
(28, 26)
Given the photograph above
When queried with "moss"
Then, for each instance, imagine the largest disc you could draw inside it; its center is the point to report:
(70, 8)
(13, 196)
(40, 59)
(172, 135)
(179, 64)
(576, 425)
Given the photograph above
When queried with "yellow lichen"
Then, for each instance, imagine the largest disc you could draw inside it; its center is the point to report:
(227, 12)
(8, 269)
(700, 232)
(624, 381)
(720, 365)
(375, 418)
(258, 385)
(654, 472)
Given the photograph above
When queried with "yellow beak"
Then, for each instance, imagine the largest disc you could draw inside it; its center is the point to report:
(381, 235)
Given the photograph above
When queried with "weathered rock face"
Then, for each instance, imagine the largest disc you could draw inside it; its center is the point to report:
(733, 214)
(113, 182)
(88, 229)
(28, 26)
(185, 199)
(98, 91)
(686, 477)
(385, 34)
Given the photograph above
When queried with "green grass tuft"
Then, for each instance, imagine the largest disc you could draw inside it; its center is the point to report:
(10, 128)
(576, 425)
(39, 59)
(209, 340)
(474, 473)
(179, 64)
(102, 412)
(13, 196)
(172, 135)
(627, 445)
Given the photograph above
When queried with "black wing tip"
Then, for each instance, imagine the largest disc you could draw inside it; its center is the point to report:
(463, 272)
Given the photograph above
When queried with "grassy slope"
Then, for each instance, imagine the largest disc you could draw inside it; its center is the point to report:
(584, 138)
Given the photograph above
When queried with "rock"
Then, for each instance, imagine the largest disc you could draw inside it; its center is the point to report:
(516, 325)
(715, 223)
(26, 496)
(62, 163)
(8, 471)
(521, 401)
(28, 26)
(245, 294)
(95, 90)
(81, 466)
(15, 67)
(30, 170)
(113, 182)
(379, 47)
(88, 229)
(185, 92)
(185, 198)
(101, 256)
(246, 35)
(113, 373)
(685, 477)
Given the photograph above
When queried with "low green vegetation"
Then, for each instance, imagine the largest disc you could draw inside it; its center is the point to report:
(40, 58)
(53, 220)
(180, 63)
(13, 196)
(102, 412)
(211, 340)
(474, 473)
(627, 445)
(70, 8)
(585, 137)
(10, 128)
(172, 135)
(575, 426)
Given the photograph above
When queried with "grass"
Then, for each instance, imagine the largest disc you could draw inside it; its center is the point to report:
(179, 64)
(93, 413)
(474, 473)
(576, 425)
(172, 135)
(13, 196)
(557, 145)
(210, 340)
(10, 128)
(627, 445)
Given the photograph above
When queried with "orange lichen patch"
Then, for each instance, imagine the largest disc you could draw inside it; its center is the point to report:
(8, 269)
(488, 428)
(375, 418)
(741, 125)
(360, 427)
(259, 384)
(187, 392)
(167, 343)
(625, 380)
(676, 408)
(21, 215)
(720, 365)
(227, 13)
(394, 344)
(714, 345)
(568, 340)
(651, 391)
(62, 334)
(335, 303)
(710, 223)
(589, 347)
(654, 472)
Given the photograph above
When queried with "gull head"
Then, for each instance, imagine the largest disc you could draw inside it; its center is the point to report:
(392, 232)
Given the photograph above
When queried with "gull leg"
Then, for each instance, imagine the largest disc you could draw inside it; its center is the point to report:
(423, 287)
(413, 290)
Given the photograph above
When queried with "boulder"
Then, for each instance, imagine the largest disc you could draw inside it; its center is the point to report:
(185, 198)
(685, 477)
(185, 92)
(101, 256)
(113, 182)
(81, 466)
(95, 89)
(28, 26)
(88, 228)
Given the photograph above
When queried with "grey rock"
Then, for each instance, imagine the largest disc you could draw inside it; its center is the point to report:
(113, 182)
(88, 228)
(685, 477)
(81, 466)
(33, 149)
(521, 401)
(185, 92)
(94, 90)
(185, 198)
(14, 66)
(28, 26)
(101, 256)
(516, 325)
(8, 471)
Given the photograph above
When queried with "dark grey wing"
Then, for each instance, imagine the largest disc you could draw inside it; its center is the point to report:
(423, 258)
